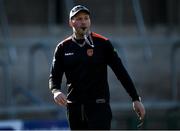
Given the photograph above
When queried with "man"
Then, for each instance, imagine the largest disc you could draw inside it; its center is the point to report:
(84, 58)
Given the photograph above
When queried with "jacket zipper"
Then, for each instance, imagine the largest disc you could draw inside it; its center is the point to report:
(82, 112)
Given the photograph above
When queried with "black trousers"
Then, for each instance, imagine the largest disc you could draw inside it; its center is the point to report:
(90, 116)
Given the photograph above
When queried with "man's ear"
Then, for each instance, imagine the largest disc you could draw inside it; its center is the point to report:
(70, 23)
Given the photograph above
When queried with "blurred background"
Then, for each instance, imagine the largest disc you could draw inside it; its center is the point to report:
(144, 32)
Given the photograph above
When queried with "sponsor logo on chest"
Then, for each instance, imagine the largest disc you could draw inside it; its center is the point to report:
(69, 54)
(90, 52)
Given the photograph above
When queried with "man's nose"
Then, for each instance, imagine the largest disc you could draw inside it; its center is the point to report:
(83, 21)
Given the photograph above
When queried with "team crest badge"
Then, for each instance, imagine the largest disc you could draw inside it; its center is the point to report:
(90, 52)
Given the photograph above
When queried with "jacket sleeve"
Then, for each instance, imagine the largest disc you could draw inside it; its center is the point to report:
(57, 70)
(116, 65)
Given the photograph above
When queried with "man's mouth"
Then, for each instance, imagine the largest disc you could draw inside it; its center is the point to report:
(83, 28)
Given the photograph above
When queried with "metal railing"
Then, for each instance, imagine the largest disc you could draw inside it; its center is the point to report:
(141, 28)
(38, 105)
(9, 51)
(174, 80)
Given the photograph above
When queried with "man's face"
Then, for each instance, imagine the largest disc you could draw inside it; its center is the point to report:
(81, 23)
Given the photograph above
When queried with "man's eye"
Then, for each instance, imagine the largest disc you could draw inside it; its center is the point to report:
(86, 18)
(79, 18)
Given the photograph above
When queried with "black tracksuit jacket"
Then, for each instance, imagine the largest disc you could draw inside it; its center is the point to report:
(85, 69)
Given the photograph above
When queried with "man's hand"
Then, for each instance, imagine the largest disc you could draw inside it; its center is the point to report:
(139, 109)
(60, 98)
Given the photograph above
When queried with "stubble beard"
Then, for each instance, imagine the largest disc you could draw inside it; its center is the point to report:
(81, 32)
